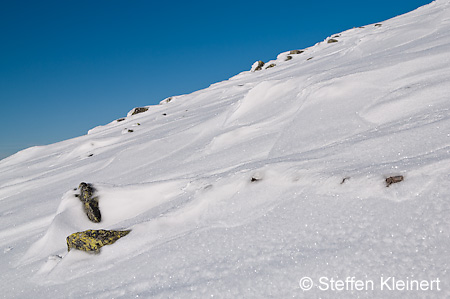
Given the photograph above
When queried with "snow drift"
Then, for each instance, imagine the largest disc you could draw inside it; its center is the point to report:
(246, 187)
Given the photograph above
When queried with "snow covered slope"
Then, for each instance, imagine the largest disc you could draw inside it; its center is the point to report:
(245, 188)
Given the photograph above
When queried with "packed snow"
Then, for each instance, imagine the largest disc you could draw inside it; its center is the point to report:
(268, 185)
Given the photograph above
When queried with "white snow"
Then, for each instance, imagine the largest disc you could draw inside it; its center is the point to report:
(242, 189)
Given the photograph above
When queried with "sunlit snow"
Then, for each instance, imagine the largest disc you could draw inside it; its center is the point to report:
(244, 188)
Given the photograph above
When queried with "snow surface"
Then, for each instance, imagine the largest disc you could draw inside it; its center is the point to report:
(318, 134)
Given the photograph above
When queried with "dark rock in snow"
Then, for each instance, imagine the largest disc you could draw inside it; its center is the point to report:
(256, 177)
(260, 66)
(393, 179)
(93, 240)
(344, 180)
(86, 191)
(90, 203)
(139, 110)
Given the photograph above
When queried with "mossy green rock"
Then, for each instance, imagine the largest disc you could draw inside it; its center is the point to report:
(92, 240)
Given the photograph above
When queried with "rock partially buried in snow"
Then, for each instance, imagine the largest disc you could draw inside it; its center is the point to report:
(345, 179)
(393, 179)
(165, 101)
(90, 203)
(138, 110)
(92, 240)
(257, 66)
(86, 191)
(258, 176)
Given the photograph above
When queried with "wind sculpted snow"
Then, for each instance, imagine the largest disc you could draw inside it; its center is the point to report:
(243, 189)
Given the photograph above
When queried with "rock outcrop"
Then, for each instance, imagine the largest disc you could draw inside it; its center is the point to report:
(138, 110)
(90, 202)
(257, 66)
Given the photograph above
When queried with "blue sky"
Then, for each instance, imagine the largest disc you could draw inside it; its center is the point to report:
(68, 66)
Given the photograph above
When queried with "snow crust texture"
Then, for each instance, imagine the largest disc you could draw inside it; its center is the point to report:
(244, 189)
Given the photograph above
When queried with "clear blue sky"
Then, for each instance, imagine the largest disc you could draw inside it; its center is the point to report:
(67, 66)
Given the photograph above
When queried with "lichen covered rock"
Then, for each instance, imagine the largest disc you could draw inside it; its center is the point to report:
(90, 202)
(92, 240)
(86, 191)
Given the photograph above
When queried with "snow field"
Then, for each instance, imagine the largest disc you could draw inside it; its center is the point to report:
(242, 189)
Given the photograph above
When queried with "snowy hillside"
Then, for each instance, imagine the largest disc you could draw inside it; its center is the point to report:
(244, 189)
